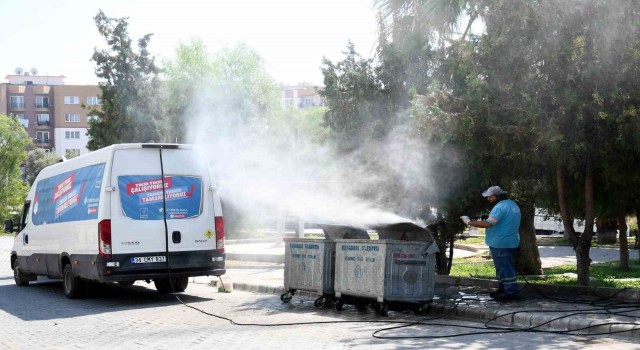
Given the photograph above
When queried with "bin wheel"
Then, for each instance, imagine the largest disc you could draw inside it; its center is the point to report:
(421, 309)
(286, 297)
(320, 302)
(384, 310)
(339, 304)
(376, 307)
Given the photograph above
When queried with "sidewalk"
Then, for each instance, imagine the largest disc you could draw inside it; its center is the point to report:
(584, 310)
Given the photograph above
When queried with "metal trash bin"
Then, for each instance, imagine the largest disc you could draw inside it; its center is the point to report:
(309, 265)
(385, 271)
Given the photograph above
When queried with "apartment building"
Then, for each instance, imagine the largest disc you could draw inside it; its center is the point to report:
(72, 105)
(51, 112)
(301, 96)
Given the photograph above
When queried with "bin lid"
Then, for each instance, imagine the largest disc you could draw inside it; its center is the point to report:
(337, 231)
(406, 231)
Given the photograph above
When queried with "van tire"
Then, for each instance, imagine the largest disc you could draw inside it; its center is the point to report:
(162, 285)
(73, 286)
(180, 284)
(19, 276)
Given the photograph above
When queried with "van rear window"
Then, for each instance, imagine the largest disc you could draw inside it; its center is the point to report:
(141, 196)
(71, 196)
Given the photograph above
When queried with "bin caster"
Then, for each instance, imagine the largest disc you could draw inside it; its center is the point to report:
(286, 297)
(339, 304)
(384, 309)
(422, 309)
(320, 302)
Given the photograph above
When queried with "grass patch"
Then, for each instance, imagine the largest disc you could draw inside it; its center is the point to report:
(603, 275)
(478, 240)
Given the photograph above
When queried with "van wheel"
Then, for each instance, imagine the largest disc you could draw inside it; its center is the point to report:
(180, 284)
(19, 276)
(126, 283)
(74, 287)
(163, 285)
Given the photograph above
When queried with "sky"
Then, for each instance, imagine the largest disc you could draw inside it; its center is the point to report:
(58, 37)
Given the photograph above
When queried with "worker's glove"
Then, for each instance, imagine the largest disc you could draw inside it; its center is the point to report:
(465, 219)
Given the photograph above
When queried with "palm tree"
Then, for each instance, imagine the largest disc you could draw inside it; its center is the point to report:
(441, 16)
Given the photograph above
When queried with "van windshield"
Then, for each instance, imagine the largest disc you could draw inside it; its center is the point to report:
(141, 196)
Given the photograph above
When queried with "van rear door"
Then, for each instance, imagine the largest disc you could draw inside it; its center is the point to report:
(138, 208)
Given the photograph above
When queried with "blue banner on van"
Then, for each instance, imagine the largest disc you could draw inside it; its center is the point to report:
(71, 196)
(141, 196)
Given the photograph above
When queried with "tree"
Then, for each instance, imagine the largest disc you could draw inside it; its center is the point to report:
(220, 90)
(128, 111)
(225, 100)
(37, 160)
(14, 141)
(426, 17)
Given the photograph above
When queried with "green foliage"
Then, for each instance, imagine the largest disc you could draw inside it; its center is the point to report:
(362, 101)
(14, 141)
(231, 84)
(129, 108)
(37, 160)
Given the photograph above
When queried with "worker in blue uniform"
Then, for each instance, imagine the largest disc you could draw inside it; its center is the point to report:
(503, 238)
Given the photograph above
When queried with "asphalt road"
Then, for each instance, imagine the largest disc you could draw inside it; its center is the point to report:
(40, 317)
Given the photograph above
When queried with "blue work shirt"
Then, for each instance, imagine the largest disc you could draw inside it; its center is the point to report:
(505, 225)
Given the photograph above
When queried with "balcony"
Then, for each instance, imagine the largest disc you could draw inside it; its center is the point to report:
(42, 141)
(43, 105)
(43, 123)
(14, 105)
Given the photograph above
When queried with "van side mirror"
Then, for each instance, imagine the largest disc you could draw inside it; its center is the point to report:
(8, 226)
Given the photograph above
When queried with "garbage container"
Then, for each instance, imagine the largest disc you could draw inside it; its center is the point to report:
(385, 271)
(309, 265)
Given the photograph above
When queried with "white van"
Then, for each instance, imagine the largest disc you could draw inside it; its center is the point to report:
(107, 216)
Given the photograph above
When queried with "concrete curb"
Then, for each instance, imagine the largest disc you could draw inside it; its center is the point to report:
(273, 258)
(501, 317)
(603, 292)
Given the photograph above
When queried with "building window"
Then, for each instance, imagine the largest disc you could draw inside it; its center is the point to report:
(42, 101)
(288, 102)
(305, 102)
(93, 100)
(71, 153)
(22, 119)
(72, 118)
(92, 118)
(42, 137)
(17, 102)
(72, 100)
(42, 119)
(72, 135)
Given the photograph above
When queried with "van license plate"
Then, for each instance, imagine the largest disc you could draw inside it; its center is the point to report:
(147, 259)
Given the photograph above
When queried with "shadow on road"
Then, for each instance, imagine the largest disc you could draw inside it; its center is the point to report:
(45, 300)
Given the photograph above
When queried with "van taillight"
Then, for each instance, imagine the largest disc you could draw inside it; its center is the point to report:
(219, 234)
(104, 235)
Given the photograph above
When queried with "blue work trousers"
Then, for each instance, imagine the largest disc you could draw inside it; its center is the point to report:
(504, 261)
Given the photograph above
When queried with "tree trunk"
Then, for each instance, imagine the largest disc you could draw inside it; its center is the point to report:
(567, 218)
(450, 260)
(606, 229)
(584, 242)
(624, 246)
(528, 257)
(441, 256)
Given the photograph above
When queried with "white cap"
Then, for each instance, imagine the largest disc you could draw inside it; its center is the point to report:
(493, 191)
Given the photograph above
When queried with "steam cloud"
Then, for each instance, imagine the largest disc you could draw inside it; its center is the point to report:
(258, 173)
